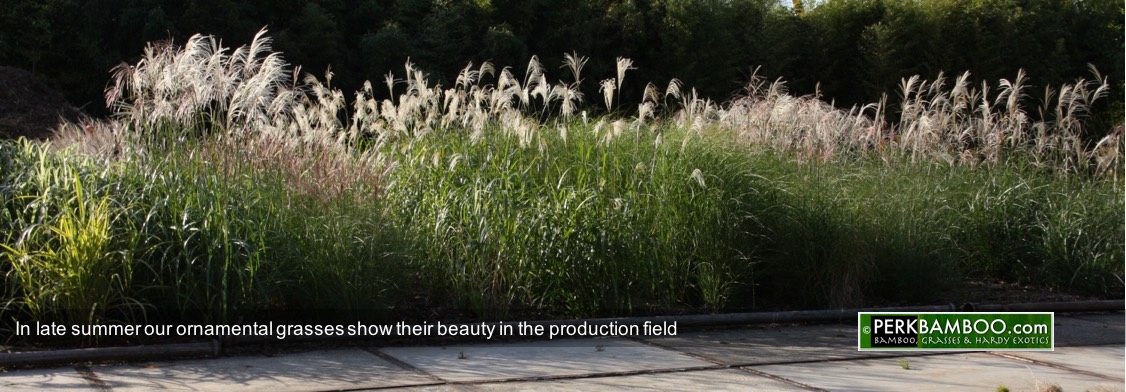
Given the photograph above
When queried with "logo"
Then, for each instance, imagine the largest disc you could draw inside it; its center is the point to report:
(895, 331)
(955, 331)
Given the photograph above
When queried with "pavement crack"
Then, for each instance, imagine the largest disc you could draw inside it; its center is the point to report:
(1057, 366)
(92, 378)
(681, 352)
(405, 366)
(845, 359)
(782, 379)
(584, 376)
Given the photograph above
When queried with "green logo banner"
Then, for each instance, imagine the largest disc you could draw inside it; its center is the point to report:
(955, 331)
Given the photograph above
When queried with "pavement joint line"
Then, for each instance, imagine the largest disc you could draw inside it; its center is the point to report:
(400, 363)
(748, 367)
(584, 376)
(92, 378)
(761, 373)
(1096, 344)
(429, 384)
(459, 384)
(717, 366)
(1056, 366)
(673, 349)
(738, 365)
(873, 356)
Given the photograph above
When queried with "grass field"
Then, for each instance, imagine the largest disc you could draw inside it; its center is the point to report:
(223, 188)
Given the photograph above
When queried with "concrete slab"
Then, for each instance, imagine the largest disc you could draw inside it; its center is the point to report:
(974, 371)
(771, 345)
(1071, 331)
(316, 370)
(43, 379)
(705, 380)
(1108, 361)
(541, 359)
(431, 388)
(701, 380)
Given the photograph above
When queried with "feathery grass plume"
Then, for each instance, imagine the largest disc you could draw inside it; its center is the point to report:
(569, 97)
(698, 176)
(766, 112)
(1009, 97)
(1108, 154)
(607, 88)
(533, 71)
(623, 65)
(645, 111)
(1072, 104)
(650, 94)
(535, 84)
(614, 132)
(365, 110)
(505, 96)
(466, 77)
(953, 125)
(390, 81)
(575, 63)
(673, 90)
(95, 138)
(688, 116)
(201, 88)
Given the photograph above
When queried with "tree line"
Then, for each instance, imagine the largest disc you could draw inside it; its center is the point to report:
(850, 51)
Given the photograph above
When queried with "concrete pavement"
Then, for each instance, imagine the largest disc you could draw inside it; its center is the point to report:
(1090, 355)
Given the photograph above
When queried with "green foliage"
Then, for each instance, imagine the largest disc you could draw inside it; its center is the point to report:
(497, 226)
(181, 237)
(66, 265)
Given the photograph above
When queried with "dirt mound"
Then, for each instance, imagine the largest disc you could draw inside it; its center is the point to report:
(30, 108)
